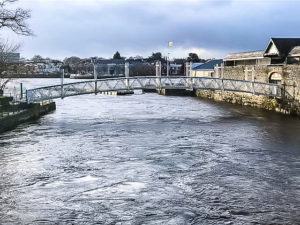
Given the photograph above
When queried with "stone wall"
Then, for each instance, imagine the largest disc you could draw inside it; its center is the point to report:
(291, 76)
(258, 101)
(261, 73)
(234, 72)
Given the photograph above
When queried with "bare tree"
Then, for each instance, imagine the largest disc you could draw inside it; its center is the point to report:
(7, 66)
(14, 19)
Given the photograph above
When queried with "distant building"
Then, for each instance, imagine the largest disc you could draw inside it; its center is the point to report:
(176, 69)
(206, 69)
(246, 58)
(10, 57)
(279, 63)
(279, 51)
(45, 66)
(110, 67)
(196, 64)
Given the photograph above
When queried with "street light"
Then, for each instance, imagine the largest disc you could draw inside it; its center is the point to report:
(93, 61)
(62, 80)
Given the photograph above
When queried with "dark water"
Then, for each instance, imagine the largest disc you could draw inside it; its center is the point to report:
(151, 159)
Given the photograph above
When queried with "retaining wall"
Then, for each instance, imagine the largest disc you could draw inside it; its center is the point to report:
(247, 99)
(31, 112)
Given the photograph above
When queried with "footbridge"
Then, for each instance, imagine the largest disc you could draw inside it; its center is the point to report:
(150, 82)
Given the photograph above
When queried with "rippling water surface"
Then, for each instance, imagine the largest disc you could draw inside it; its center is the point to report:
(150, 159)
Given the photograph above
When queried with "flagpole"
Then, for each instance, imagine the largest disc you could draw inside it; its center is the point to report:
(168, 64)
(170, 44)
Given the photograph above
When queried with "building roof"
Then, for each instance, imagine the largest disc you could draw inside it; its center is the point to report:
(295, 51)
(196, 64)
(245, 55)
(208, 65)
(283, 45)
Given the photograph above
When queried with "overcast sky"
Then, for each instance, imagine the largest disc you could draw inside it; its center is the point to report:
(210, 28)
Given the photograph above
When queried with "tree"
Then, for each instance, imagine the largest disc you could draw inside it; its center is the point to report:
(37, 58)
(14, 19)
(117, 55)
(72, 60)
(72, 64)
(193, 57)
(157, 56)
(7, 66)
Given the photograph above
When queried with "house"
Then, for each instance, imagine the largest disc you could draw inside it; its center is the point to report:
(10, 57)
(279, 51)
(110, 67)
(206, 69)
(246, 58)
(44, 66)
(176, 69)
(278, 63)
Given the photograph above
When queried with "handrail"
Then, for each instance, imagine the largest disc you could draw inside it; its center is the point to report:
(156, 82)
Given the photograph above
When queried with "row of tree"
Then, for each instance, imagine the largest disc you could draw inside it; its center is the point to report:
(157, 56)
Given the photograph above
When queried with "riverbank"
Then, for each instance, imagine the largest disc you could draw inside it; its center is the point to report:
(283, 106)
(23, 113)
(55, 75)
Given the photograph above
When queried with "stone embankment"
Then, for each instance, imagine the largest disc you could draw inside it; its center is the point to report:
(284, 106)
(13, 115)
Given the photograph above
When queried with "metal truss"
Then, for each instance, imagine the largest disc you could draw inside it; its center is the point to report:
(153, 82)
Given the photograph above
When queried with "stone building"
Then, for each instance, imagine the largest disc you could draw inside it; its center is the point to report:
(279, 63)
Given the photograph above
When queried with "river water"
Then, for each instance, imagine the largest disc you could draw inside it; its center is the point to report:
(150, 159)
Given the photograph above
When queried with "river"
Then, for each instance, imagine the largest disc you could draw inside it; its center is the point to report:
(150, 159)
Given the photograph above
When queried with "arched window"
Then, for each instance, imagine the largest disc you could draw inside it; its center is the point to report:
(275, 78)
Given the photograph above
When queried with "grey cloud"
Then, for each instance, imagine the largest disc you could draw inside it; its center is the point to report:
(102, 27)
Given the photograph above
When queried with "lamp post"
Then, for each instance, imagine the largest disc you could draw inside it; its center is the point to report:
(62, 80)
(93, 61)
(168, 67)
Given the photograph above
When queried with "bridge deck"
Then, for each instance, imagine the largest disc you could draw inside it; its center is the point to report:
(151, 82)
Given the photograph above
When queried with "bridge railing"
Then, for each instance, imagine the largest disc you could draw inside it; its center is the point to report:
(151, 82)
